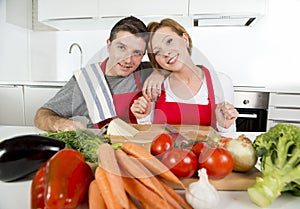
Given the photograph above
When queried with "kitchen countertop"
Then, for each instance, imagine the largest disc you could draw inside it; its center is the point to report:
(34, 83)
(17, 195)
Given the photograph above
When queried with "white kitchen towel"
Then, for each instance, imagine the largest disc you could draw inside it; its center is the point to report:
(96, 93)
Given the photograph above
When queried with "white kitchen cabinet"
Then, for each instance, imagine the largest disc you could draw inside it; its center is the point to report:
(34, 98)
(67, 9)
(108, 8)
(226, 6)
(11, 105)
(284, 108)
(103, 14)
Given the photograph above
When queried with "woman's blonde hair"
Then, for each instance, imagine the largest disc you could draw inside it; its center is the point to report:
(152, 27)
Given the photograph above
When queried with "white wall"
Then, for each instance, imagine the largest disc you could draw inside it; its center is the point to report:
(50, 52)
(266, 54)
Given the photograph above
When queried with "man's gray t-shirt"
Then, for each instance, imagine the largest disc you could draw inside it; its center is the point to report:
(69, 101)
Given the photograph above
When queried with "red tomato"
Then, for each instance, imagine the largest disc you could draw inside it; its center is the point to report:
(161, 144)
(182, 162)
(218, 164)
(198, 147)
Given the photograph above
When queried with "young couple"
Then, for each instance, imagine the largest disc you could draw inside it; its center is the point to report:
(123, 86)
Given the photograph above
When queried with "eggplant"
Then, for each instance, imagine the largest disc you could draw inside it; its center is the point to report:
(22, 156)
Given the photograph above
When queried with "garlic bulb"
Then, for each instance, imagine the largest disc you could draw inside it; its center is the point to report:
(201, 194)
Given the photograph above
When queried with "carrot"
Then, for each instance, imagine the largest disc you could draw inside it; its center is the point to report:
(151, 162)
(137, 170)
(109, 163)
(142, 193)
(175, 195)
(96, 200)
(169, 198)
(132, 204)
(110, 200)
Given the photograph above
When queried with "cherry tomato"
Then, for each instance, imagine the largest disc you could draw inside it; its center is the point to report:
(198, 147)
(218, 164)
(182, 162)
(161, 143)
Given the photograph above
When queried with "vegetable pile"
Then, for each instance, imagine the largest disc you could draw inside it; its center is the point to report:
(84, 141)
(131, 176)
(127, 176)
(186, 157)
(279, 149)
(62, 182)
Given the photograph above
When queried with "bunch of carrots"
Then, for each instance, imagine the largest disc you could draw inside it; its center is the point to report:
(131, 176)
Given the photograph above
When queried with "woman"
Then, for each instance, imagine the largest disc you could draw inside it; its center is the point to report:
(191, 93)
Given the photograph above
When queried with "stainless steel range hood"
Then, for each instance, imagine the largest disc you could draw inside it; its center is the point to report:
(221, 20)
(211, 13)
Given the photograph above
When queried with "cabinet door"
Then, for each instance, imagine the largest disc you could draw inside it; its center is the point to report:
(63, 9)
(35, 97)
(114, 8)
(11, 105)
(284, 108)
(284, 114)
(226, 6)
(285, 100)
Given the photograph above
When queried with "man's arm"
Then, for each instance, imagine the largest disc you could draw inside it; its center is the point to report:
(47, 120)
(152, 85)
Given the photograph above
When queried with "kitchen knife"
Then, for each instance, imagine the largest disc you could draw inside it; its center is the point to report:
(174, 133)
(99, 132)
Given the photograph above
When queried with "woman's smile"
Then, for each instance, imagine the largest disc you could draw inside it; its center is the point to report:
(173, 59)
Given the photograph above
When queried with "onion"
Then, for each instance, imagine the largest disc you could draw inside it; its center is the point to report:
(243, 153)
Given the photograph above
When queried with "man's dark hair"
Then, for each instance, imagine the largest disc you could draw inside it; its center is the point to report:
(130, 24)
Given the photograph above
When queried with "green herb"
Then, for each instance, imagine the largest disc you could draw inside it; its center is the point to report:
(84, 141)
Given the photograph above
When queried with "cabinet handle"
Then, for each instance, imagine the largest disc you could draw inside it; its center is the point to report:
(253, 115)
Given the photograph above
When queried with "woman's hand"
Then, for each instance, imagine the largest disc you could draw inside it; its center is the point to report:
(152, 85)
(141, 107)
(226, 114)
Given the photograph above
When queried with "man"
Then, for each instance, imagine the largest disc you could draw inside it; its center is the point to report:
(100, 96)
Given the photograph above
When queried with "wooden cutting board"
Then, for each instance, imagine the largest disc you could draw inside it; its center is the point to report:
(148, 132)
(235, 181)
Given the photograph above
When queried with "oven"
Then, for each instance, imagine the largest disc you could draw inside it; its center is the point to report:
(253, 110)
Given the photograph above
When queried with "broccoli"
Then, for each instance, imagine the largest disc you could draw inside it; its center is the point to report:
(279, 152)
(84, 141)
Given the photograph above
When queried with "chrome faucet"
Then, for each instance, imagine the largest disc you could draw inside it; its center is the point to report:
(70, 51)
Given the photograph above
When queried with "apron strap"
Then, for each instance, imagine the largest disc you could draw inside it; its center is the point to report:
(137, 81)
(211, 95)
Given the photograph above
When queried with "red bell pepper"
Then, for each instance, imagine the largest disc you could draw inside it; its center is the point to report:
(38, 188)
(66, 181)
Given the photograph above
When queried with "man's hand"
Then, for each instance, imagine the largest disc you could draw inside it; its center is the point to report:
(152, 85)
(63, 124)
(48, 120)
